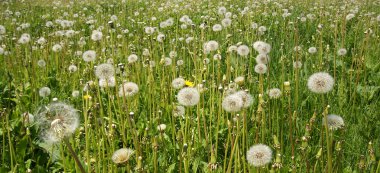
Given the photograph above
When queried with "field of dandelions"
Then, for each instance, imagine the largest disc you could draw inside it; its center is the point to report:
(190, 86)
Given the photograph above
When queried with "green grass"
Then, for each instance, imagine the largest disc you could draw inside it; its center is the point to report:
(292, 126)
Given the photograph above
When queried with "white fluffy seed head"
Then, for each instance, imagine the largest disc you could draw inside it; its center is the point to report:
(274, 93)
(107, 82)
(104, 71)
(260, 68)
(178, 83)
(188, 96)
(259, 155)
(243, 50)
(334, 122)
(89, 56)
(178, 111)
(262, 59)
(246, 97)
(128, 89)
(232, 103)
(262, 47)
(121, 156)
(57, 121)
(44, 91)
(320, 82)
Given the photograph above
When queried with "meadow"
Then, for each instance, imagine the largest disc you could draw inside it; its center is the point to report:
(190, 86)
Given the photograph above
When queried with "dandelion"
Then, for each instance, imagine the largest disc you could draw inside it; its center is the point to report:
(243, 50)
(274, 93)
(320, 82)
(260, 68)
(262, 47)
(44, 91)
(25, 38)
(128, 89)
(246, 97)
(189, 83)
(75, 93)
(72, 68)
(27, 118)
(350, 16)
(188, 96)
(121, 156)
(226, 22)
(41, 63)
(239, 80)
(132, 58)
(57, 121)
(166, 61)
(259, 155)
(96, 35)
(342, 51)
(210, 46)
(178, 111)
(312, 50)
(2, 30)
(89, 56)
(104, 71)
(334, 122)
(178, 83)
(232, 48)
(232, 103)
(262, 59)
(161, 127)
(217, 27)
(107, 82)
(297, 64)
(57, 48)
(180, 62)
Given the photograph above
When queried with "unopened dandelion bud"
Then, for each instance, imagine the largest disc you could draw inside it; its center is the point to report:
(276, 142)
(287, 86)
(338, 146)
(319, 154)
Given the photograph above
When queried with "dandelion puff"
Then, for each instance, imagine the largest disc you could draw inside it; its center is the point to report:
(72, 68)
(274, 93)
(262, 47)
(107, 82)
(89, 56)
(57, 121)
(128, 89)
(246, 97)
(121, 156)
(334, 122)
(262, 59)
(297, 64)
(75, 93)
(312, 50)
(342, 51)
(259, 155)
(232, 103)
(188, 96)
(243, 50)
(161, 127)
(132, 58)
(217, 27)
(178, 83)
(96, 35)
(320, 82)
(41, 63)
(178, 111)
(260, 68)
(104, 71)
(210, 46)
(239, 80)
(44, 91)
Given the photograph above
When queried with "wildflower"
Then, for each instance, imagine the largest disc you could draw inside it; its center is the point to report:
(243, 50)
(259, 155)
(312, 50)
(210, 46)
(87, 97)
(44, 91)
(188, 96)
(57, 121)
(41, 63)
(297, 64)
(96, 35)
(107, 82)
(274, 93)
(232, 103)
(226, 22)
(246, 97)
(260, 68)
(342, 51)
(189, 83)
(262, 47)
(57, 48)
(161, 127)
(89, 56)
(128, 89)
(178, 83)
(334, 122)
(2, 30)
(73, 68)
(262, 59)
(217, 27)
(25, 38)
(121, 156)
(178, 111)
(104, 71)
(75, 93)
(239, 80)
(132, 58)
(320, 82)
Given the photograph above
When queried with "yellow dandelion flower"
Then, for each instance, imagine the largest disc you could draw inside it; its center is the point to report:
(86, 97)
(189, 83)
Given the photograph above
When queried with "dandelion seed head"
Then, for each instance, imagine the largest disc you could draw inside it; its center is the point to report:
(334, 122)
(242, 50)
(232, 103)
(274, 93)
(188, 96)
(246, 97)
(121, 156)
(320, 82)
(262, 59)
(44, 91)
(128, 89)
(259, 155)
(104, 71)
(89, 56)
(178, 83)
(260, 68)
